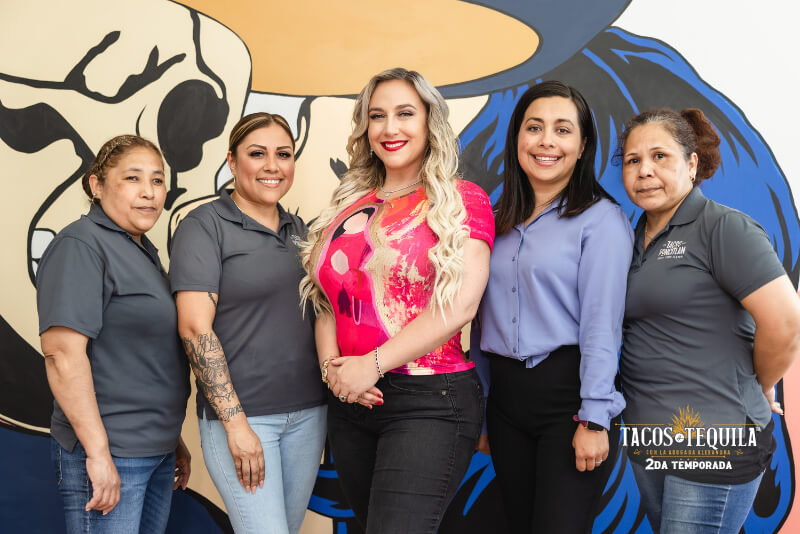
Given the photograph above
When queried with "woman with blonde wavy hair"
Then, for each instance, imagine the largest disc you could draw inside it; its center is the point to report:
(396, 267)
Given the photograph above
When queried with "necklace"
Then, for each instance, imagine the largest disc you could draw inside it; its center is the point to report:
(547, 202)
(385, 192)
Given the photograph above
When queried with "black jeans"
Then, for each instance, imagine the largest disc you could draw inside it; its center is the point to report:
(529, 418)
(399, 464)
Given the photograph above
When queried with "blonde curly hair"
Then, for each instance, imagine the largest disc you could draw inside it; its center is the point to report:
(446, 213)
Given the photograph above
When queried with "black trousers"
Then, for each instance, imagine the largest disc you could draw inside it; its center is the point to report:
(400, 464)
(529, 418)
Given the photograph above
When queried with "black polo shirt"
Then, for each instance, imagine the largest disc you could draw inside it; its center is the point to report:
(97, 280)
(687, 340)
(256, 272)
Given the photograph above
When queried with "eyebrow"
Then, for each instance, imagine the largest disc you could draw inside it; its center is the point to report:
(139, 169)
(557, 120)
(262, 147)
(401, 106)
(651, 149)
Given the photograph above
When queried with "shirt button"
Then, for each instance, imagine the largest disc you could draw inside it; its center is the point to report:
(514, 351)
(514, 320)
(513, 258)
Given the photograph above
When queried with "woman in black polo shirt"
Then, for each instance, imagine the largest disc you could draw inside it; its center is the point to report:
(711, 325)
(107, 323)
(260, 403)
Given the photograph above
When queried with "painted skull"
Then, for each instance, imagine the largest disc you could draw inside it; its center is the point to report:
(153, 68)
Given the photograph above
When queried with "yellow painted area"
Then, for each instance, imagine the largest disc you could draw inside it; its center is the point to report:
(318, 47)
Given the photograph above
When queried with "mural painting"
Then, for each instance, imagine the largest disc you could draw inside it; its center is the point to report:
(181, 73)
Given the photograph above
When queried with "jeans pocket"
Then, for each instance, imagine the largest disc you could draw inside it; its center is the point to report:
(418, 384)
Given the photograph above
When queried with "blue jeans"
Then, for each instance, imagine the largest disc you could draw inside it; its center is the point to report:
(676, 505)
(292, 444)
(145, 493)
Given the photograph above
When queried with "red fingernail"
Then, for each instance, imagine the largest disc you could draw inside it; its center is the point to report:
(379, 402)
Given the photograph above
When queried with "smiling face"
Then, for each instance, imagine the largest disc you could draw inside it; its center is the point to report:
(655, 173)
(133, 191)
(549, 142)
(398, 128)
(263, 166)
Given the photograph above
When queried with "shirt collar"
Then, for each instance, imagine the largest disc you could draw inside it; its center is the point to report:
(690, 208)
(688, 211)
(99, 217)
(559, 205)
(227, 209)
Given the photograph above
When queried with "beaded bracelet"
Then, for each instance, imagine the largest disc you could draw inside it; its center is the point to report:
(378, 364)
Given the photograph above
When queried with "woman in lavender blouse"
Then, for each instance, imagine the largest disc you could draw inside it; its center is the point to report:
(549, 328)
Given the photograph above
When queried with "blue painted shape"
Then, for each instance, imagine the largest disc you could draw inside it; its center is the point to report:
(30, 503)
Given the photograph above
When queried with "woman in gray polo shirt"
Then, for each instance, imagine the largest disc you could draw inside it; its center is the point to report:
(114, 363)
(711, 325)
(235, 268)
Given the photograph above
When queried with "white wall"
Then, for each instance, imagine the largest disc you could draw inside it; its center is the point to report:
(746, 50)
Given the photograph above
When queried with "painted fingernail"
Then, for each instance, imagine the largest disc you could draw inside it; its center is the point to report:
(379, 402)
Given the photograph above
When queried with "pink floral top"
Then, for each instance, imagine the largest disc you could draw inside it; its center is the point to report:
(375, 271)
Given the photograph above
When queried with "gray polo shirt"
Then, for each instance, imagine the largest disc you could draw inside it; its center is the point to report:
(256, 273)
(687, 340)
(97, 280)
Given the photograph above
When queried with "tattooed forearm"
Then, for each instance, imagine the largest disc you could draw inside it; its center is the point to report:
(211, 369)
(214, 302)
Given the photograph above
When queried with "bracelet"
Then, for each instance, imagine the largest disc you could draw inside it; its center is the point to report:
(324, 370)
(378, 364)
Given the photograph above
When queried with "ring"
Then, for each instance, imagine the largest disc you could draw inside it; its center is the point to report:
(342, 398)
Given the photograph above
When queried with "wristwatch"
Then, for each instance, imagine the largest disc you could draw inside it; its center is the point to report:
(588, 424)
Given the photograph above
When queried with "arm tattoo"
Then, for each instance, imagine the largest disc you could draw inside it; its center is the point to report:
(214, 302)
(211, 369)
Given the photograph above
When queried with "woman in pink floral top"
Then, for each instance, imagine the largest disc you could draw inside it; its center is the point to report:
(397, 266)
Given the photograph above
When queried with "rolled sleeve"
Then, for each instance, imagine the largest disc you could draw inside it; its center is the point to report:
(607, 247)
(69, 287)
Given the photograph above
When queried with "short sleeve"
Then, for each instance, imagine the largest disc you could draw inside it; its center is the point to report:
(69, 287)
(742, 258)
(480, 219)
(195, 260)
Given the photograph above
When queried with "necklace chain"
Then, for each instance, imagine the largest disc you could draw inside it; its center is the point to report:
(385, 192)
(547, 202)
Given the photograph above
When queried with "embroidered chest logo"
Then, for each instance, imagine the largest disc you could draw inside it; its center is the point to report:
(672, 249)
(296, 239)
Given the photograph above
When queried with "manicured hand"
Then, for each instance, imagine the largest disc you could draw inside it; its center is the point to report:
(248, 457)
(373, 396)
(183, 465)
(591, 448)
(105, 483)
(356, 374)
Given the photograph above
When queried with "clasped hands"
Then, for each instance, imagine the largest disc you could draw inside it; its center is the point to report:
(352, 379)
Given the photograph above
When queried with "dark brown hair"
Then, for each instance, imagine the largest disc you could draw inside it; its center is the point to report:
(690, 129)
(252, 122)
(517, 201)
(108, 156)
